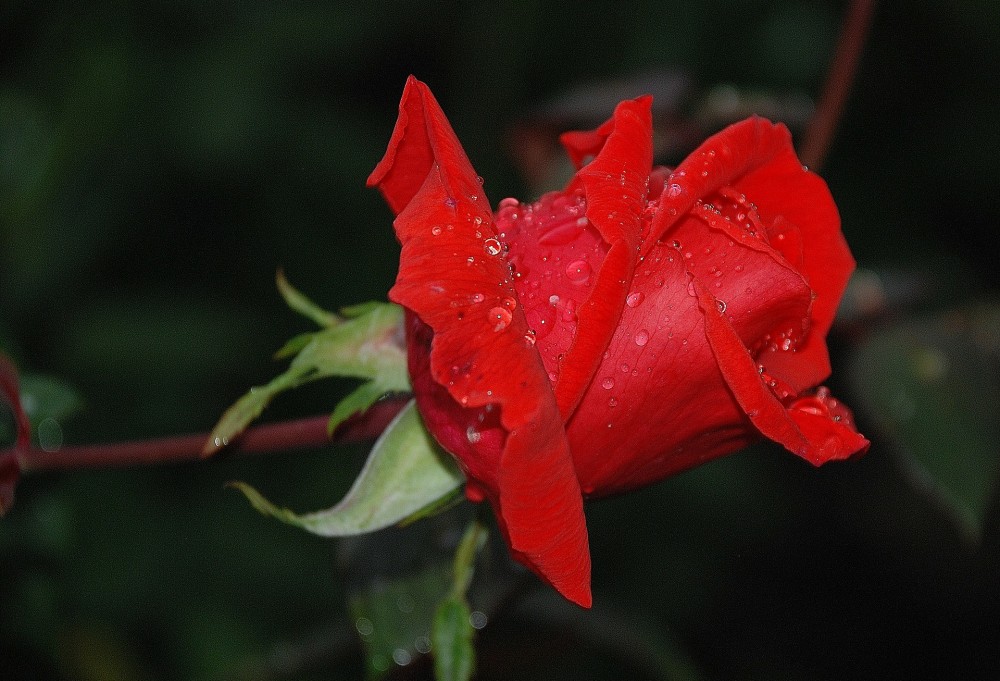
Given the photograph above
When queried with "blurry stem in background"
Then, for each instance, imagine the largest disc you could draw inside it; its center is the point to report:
(272, 437)
(823, 125)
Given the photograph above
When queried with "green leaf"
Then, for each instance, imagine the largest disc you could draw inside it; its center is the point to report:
(927, 385)
(451, 641)
(405, 472)
(393, 617)
(367, 343)
(302, 304)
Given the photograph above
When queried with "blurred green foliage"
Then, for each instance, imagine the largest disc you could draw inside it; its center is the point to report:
(159, 161)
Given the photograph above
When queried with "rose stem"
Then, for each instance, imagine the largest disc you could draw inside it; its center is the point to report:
(819, 134)
(272, 437)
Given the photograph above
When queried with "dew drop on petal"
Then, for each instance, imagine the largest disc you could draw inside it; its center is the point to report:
(569, 311)
(674, 189)
(578, 271)
(634, 299)
(477, 298)
(642, 337)
(436, 230)
(608, 383)
(612, 402)
(492, 246)
(499, 318)
(472, 435)
(721, 304)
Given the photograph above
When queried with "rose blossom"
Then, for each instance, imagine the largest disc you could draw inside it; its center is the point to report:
(632, 325)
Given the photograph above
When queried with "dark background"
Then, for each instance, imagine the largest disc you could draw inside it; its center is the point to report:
(159, 161)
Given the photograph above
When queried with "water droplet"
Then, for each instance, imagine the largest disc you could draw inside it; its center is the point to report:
(553, 300)
(436, 230)
(509, 202)
(477, 298)
(674, 189)
(608, 383)
(472, 435)
(634, 299)
(499, 318)
(492, 246)
(721, 304)
(509, 304)
(569, 311)
(479, 179)
(450, 202)
(405, 603)
(642, 337)
(675, 243)
(612, 403)
(624, 368)
(478, 619)
(578, 272)
(529, 338)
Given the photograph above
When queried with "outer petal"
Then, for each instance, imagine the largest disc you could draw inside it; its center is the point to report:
(792, 201)
(449, 278)
(784, 192)
(615, 183)
(804, 433)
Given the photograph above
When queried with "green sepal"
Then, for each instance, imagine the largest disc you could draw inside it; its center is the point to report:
(367, 342)
(299, 302)
(405, 473)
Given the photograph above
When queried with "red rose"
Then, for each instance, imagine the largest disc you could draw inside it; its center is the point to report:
(632, 325)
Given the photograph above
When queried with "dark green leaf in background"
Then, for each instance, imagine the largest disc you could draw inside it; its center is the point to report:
(932, 385)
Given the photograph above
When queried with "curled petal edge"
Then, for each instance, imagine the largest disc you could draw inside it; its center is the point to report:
(815, 438)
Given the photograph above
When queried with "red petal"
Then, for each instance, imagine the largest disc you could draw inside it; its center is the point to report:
(784, 191)
(820, 440)
(720, 161)
(756, 158)
(479, 353)
(615, 183)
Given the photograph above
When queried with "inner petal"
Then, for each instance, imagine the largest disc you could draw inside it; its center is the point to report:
(554, 255)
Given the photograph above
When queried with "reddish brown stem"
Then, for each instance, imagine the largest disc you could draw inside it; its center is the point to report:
(272, 437)
(823, 125)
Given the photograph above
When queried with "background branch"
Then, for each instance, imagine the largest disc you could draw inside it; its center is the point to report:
(262, 439)
(819, 134)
